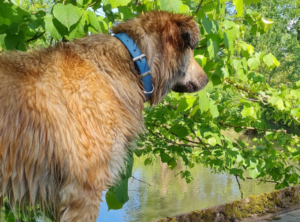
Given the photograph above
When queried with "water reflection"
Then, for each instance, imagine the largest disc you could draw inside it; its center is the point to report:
(170, 195)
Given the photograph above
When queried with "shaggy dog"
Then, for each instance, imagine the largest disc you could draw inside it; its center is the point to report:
(69, 113)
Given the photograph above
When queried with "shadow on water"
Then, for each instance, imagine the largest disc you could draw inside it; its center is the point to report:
(170, 195)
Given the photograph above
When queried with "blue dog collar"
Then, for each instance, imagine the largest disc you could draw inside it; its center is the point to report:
(140, 62)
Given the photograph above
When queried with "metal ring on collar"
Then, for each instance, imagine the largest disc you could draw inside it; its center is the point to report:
(151, 90)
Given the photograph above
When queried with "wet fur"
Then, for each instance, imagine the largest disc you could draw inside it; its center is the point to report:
(69, 113)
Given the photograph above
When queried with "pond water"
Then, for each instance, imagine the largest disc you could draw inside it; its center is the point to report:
(170, 195)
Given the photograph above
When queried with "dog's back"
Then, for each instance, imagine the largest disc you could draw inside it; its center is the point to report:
(62, 121)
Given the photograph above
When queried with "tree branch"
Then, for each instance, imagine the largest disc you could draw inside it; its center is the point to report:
(198, 8)
(255, 95)
(240, 87)
(160, 136)
(294, 118)
(252, 128)
(36, 36)
(190, 141)
(199, 139)
(90, 5)
(240, 188)
(267, 181)
(141, 181)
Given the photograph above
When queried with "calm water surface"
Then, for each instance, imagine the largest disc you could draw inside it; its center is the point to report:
(169, 195)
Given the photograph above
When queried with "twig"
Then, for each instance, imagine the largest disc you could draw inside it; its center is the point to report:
(240, 188)
(295, 118)
(141, 181)
(205, 47)
(36, 36)
(267, 181)
(199, 139)
(90, 5)
(51, 41)
(160, 136)
(252, 128)
(240, 87)
(198, 8)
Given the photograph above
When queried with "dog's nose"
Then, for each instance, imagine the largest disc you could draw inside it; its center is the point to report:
(207, 81)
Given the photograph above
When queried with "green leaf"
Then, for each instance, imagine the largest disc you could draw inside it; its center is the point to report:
(121, 191)
(253, 173)
(195, 109)
(13, 28)
(53, 27)
(127, 12)
(296, 112)
(233, 33)
(164, 157)
(216, 80)
(147, 161)
(207, 25)
(214, 110)
(228, 43)
(276, 101)
(270, 61)
(253, 63)
(83, 3)
(184, 9)
(228, 24)
(11, 217)
(183, 105)
(112, 201)
(239, 7)
(103, 24)
(67, 15)
(172, 163)
(129, 165)
(78, 30)
(94, 21)
(11, 41)
(117, 3)
(248, 111)
(171, 5)
(201, 60)
(203, 101)
(16, 2)
(213, 48)
(179, 130)
(248, 2)
(2, 40)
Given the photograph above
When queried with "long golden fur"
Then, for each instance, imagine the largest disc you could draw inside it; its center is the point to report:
(69, 113)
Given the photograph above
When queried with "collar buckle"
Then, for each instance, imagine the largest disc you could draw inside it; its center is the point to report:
(139, 57)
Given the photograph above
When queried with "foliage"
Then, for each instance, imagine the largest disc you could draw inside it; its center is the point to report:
(282, 39)
(191, 127)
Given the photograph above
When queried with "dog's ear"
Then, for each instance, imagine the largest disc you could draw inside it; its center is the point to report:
(189, 31)
(186, 37)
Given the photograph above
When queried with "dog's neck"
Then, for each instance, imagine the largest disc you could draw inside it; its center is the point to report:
(140, 63)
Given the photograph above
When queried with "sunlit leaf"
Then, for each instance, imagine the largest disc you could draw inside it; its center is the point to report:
(67, 15)
(170, 5)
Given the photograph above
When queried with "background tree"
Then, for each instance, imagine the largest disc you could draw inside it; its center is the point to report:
(248, 90)
(281, 39)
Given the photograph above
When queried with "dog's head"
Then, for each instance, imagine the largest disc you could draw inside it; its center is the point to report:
(168, 40)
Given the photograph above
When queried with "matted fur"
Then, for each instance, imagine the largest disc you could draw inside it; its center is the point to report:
(69, 113)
